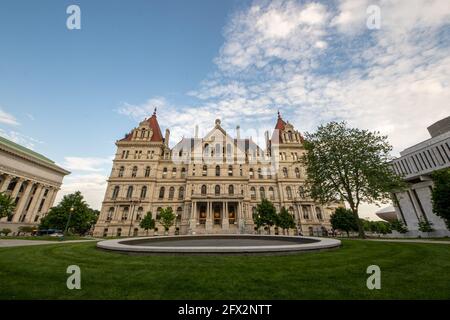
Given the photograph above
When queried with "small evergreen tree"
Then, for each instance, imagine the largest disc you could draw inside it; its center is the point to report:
(285, 220)
(7, 205)
(344, 219)
(425, 226)
(266, 214)
(147, 222)
(167, 218)
(5, 231)
(399, 226)
(441, 194)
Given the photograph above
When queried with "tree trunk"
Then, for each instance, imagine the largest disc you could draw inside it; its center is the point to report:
(348, 235)
(361, 233)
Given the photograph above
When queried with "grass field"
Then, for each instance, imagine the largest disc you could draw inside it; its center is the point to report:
(408, 271)
(46, 238)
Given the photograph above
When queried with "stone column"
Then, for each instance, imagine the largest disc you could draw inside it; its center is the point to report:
(36, 199)
(16, 189)
(49, 200)
(22, 202)
(225, 223)
(192, 218)
(209, 218)
(5, 182)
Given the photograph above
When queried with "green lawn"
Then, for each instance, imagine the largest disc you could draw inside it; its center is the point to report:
(409, 271)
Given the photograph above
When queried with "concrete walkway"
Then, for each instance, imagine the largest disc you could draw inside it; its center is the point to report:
(20, 243)
(411, 241)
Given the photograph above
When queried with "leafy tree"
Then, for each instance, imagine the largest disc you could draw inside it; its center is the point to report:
(441, 194)
(82, 218)
(425, 226)
(399, 226)
(7, 205)
(344, 219)
(285, 220)
(25, 229)
(266, 214)
(167, 218)
(349, 164)
(147, 222)
(5, 231)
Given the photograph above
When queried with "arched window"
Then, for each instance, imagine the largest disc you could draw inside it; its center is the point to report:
(203, 190)
(161, 192)
(179, 212)
(181, 193)
(143, 192)
(260, 176)
(164, 175)
(205, 170)
(134, 172)
(217, 190)
(262, 193)
(240, 170)
(291, 212)
(319, 213)
(121, 171)
(183, 172)
(228, 150)
(110, 214)
(217, 171)
(271, 193)
(253, 193)
(174, 172)
(297, 172)
(139, 214)
(306, 211)
(125, 213)
(147, 172)
(250, 173)
(115, 192)
(130, 192)
(301, 192)
(230, 189)
(206, 150)
(230, 170)
(290, 135)
(119, 232)
(218, 150)
(171, 192)
(285, 172)
(289, 192)
(158, 213)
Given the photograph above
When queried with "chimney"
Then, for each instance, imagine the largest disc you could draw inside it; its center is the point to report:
(196, 131)
(266, 134)
(238, 132)
(166, 138)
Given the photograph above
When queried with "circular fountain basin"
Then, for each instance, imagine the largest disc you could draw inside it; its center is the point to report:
(219, 244)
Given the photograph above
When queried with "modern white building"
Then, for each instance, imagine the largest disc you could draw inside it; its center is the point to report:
(415, 165)
(31, 179)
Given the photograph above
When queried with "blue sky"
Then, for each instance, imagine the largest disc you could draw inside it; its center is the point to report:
(69, 94)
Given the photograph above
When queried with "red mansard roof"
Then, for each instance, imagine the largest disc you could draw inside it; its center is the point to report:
(154, 125)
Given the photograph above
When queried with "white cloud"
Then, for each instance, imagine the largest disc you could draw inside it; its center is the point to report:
(86, 163)
(7, 118)
(20, 138)
(92, 186)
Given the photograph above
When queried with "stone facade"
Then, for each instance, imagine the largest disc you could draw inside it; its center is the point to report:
(415, 165)
(213, 184)
(31, 179)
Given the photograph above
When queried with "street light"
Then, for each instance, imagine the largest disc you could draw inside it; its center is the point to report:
(68, 220)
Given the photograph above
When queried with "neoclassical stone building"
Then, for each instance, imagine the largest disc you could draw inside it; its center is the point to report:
(213, 184)
(31, 179)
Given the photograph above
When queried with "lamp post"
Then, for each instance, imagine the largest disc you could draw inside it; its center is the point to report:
(68, 221)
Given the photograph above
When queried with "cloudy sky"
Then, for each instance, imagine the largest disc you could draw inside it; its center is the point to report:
(70, 94)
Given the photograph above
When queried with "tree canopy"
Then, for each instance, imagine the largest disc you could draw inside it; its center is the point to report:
(266, 214)
(441, 194)
(349, 164)
(82, 217)
(285, 220)
(344, 220)
(7, 205)
(147, 222)
(166, 218)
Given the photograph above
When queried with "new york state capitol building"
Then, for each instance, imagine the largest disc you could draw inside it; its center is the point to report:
(213, 184)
